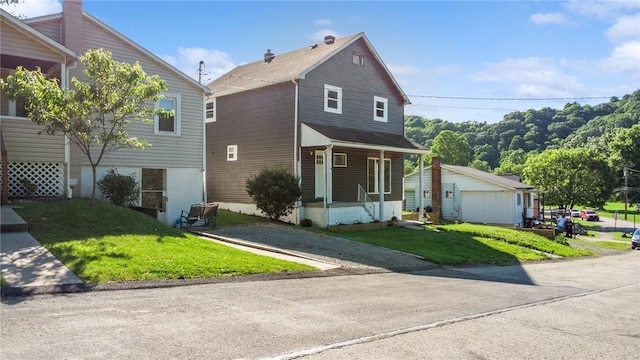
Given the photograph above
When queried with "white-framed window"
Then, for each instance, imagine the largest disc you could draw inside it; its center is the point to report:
(210, 111)
(340, 160)
(373, 185)
(332, 99)
(380, 108)
(358, 58)
(232, 152)
(168, 125)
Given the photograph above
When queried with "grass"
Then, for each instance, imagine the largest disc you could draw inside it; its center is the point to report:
(612, 245)
(228, 218)
(464, 244)
(106, 243)
(3, 282)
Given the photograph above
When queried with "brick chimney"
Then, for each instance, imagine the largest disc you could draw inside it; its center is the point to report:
(436, 185)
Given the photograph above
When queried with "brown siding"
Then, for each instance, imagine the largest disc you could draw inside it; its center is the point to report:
(261, 123)
(359, 85)
(51, 28)
(346, 180)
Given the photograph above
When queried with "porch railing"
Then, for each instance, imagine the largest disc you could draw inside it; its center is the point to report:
(365, 201)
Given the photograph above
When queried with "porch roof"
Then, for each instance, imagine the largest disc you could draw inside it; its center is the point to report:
(327, 135)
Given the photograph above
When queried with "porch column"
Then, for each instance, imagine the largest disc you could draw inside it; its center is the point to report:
(381, 184)
(421, 186)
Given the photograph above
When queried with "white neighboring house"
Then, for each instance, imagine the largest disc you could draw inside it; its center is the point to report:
(171, 172)
(471, 195)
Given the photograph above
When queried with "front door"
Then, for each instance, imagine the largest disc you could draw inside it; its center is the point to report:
(320, 178)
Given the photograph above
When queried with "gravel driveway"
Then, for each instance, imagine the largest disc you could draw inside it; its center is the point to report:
(346, 253)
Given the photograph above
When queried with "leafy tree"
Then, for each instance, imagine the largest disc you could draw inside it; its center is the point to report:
(452, 148)
(95, 115)
(626, 153)
(512, 163)
(480, 165)
(274, 191)
(571, 176)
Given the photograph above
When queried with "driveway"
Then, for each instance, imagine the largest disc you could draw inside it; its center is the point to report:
(350, 255)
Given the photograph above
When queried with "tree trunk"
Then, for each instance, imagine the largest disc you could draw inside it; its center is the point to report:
(93, 190)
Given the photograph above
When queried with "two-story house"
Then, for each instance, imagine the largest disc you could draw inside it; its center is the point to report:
(171, 172)
(332, 113)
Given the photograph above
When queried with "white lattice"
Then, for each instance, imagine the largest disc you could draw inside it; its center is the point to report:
(48, 177)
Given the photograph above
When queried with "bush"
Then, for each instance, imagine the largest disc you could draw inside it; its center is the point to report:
(274, 191)
(119, 189)
(305, 223)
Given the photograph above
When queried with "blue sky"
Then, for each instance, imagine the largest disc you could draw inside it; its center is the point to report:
(441, 53)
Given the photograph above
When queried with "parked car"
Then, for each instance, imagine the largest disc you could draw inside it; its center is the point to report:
(589, 215)
(575, 213)
(635, 239)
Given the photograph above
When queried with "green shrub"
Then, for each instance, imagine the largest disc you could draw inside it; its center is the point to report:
(119, 189)
(274, 191)
(305, 223)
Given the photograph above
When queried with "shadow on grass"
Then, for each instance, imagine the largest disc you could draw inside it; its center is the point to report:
(353, 249)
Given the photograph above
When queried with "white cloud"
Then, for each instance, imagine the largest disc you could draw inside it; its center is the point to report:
(188, 59)
(603, 9)
(33, 8)
(625, 58)
(319, 35)
(626, 28)
(323, 22)
(532, 77)
(549, 18)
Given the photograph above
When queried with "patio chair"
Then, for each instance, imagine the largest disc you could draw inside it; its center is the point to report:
(199, 212)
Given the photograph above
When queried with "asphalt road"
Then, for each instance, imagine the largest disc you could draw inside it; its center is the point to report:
(578, 309)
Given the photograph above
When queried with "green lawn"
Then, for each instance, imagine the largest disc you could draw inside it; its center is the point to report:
(612, 245)
(465, 244)
(105, 243)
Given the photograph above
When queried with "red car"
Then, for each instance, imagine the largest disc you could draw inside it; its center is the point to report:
(589, 215)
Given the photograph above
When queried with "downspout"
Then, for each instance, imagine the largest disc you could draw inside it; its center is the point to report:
(66, 73)
(296, 165)
(204, 148)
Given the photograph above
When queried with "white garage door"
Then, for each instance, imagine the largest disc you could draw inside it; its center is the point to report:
(487, 207)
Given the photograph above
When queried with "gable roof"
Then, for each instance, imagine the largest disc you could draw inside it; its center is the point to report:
(36, 35)
(129, 42)
(289, 66)
(485, 176)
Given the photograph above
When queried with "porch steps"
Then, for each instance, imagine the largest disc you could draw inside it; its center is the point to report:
(11, 222)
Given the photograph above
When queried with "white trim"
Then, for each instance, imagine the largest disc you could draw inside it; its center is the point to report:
(385, 109)
(176, 115)
(342, 163)
(338, 99)
(212, 112)
(377, 175)
(232, 152)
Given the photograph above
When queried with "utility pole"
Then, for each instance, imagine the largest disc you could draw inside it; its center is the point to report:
(201, 70)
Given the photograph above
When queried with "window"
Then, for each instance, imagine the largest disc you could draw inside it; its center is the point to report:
(232, 152)
(518, 199)
(380, 108)
(358, 58)
(210, 111)
(154, 188)
(168, 124)
(339, 160)
(373, 187)
(333, 99)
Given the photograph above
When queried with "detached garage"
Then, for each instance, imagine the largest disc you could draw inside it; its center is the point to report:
(469, 195)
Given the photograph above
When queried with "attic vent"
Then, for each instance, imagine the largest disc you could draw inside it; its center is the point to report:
(329, 39)
(268, 56)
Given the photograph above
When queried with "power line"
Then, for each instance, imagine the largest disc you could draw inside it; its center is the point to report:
(510, 99)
